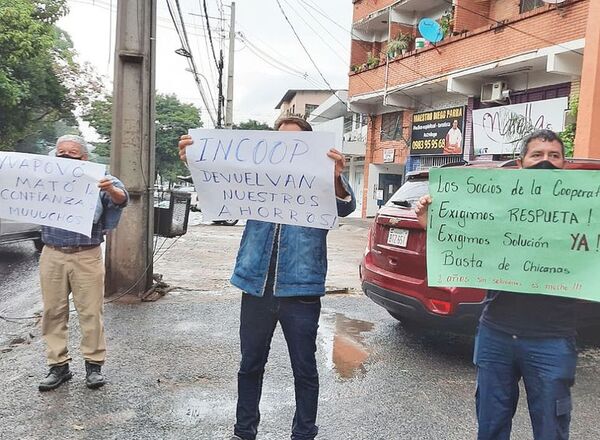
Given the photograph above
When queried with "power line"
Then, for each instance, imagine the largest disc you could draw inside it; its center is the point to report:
(282, 68)
(244, 39)
(308, 53)
(212, 46)
(186, 51)
(324, 41)
(209, 65)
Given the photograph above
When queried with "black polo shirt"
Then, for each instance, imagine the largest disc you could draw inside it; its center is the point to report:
(529, 315)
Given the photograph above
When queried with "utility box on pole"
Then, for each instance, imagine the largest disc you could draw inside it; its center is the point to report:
(129, 250)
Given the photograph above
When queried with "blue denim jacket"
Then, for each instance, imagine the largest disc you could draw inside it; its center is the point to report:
(106, 207)
(301, 258)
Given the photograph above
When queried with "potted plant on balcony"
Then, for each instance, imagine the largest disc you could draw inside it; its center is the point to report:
(372, 60)
(447, 22)
(398, 45)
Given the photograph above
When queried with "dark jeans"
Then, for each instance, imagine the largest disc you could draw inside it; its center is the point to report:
(299, 319)
(547, 366)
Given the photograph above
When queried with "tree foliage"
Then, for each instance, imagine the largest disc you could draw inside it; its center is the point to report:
(568, 134)
(41, 82)
(251, 124)
(173, 118)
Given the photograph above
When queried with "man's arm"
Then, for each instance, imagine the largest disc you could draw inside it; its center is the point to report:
(422, 209)
(114, 189)
(346, 202)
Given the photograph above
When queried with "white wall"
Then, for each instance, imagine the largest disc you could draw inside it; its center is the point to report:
(335, 126)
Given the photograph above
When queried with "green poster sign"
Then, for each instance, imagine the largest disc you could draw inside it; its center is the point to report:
(530, 231)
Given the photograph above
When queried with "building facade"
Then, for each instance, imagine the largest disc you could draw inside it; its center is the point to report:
(350, 130)
(502, 69)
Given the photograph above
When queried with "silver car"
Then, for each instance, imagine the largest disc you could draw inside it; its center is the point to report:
(12, 232)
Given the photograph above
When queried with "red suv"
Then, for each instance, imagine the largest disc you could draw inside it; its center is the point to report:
(394, 270)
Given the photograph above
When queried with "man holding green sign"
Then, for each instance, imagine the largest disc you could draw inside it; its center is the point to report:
(521, 335)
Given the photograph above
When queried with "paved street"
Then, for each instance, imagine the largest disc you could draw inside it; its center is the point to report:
(172, 363)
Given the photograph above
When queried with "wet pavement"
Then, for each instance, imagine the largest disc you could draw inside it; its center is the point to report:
(172, 363)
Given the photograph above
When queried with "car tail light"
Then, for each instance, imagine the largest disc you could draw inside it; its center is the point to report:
(440, 306)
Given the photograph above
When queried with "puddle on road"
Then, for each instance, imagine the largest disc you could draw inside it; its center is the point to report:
(343, 341)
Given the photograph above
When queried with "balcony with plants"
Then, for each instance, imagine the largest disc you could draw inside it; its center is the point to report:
(386, 36)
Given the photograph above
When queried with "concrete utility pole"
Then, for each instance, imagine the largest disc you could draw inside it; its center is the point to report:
(220, 88)
(229, 105)
(129, 251)
(587, 139)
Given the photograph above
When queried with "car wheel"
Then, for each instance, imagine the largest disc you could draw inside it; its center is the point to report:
(39, 244)
(226, 222)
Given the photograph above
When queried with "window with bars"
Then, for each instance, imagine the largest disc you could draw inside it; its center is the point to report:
(391, 126)
(309, 108)
(530, 5)
(347, 123)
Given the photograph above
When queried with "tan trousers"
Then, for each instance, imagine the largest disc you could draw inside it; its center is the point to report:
(81, 273)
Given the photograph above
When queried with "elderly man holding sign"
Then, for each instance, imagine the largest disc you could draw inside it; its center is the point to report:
(72, 263)
(281, 269)
(525, 335)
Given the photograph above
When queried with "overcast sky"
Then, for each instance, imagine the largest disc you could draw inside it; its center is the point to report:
(323, 27)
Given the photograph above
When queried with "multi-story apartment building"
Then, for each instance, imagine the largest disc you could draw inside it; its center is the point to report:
(502, 68)
(301, 102)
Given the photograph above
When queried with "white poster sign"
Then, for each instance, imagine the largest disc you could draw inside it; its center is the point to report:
(499, 130)
(49, 191)
(273, 176)
(388, 155)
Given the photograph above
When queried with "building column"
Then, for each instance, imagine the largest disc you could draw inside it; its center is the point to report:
(587, 139)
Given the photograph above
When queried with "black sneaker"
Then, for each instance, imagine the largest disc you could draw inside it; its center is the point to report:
(56, 376)
(94, 378)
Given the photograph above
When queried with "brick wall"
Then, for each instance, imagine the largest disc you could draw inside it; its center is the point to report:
(359, 52)
(468, 14)
(376, 147)
(504, 9)
(479, 47)
(363, 8)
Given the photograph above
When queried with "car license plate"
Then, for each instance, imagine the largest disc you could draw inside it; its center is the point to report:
(398, 237)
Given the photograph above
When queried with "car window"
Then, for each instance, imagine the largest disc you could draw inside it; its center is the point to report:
(410, 192)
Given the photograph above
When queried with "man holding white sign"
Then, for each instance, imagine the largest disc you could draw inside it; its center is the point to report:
(282, 261)
(527, 336)
(72, 263)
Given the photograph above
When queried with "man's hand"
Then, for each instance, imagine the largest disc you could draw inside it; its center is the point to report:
(340, 163)
(117, 195)
(184, 141)
(422, 208)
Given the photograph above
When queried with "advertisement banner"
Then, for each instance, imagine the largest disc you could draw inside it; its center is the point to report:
(438, 132)
(499, 130)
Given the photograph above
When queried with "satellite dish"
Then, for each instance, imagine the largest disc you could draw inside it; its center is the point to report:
(431, 30)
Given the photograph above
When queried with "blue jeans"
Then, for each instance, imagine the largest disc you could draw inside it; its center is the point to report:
(299, 319)
(547, 366)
